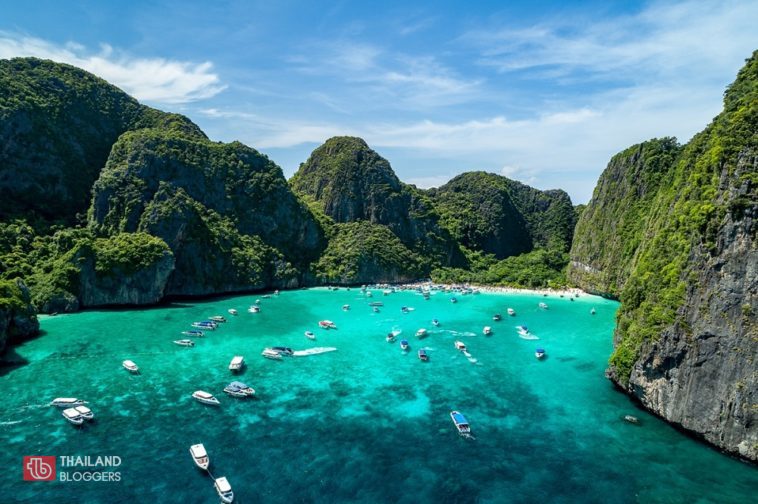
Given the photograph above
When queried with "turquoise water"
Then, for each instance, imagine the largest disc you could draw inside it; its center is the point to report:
(366, 423)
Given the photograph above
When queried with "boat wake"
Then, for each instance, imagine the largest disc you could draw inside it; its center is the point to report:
(11, 422)
(313, 351)
(457, 333)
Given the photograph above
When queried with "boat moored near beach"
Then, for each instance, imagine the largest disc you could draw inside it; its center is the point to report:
(592, 311)
(461, 424)
(511, 312)
(237, 363)
(254, 309)
(73, 416)
(239, 389)
(217, 319)
(543, 306)
(130, 366)
(487, 331)
(185, 342)
(67, 402)
(205, 397)
(224, 490)
(232, 311)
(453, 300)
(200, 456)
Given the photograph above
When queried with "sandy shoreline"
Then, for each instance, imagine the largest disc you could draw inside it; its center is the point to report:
(567, 292)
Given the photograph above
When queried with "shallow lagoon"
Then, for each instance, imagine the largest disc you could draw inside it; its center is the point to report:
(366, 423)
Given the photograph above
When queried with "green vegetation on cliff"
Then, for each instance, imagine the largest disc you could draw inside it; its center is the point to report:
(496, 215)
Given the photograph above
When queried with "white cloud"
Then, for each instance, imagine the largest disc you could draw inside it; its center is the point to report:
(157, 80)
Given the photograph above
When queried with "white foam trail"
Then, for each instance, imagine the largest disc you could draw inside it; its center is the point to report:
(12, 422)
(528, 336)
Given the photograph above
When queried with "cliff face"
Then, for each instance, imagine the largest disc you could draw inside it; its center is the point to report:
(611, 228)
(686, 341)
(18, 319)
(225, 211)
(351, 182)
(503, 217)
(57, 125)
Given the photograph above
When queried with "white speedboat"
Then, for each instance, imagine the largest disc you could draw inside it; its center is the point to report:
(422, 333)
(422, 355)
(310, 335)
(461, 424)
(271, 354)
(217, 319)
(185, 342)
(194, 334)
(327, 324)
(205, 397)
(73, 416)
(453, 300)
(237, 363)
(460, 346)
(543, 306)
(523, 330)
(239, 389)
(130, 366)
(204, 326)
(592, 311)
(497, 317)
(232, 311)
(435, 322)
(85, 412)
(539, 353)
(487, 330)
(387, 292)
(368, 294)
(511, 312)
(345, 307)
(254, 309)
(224, 490)
(390, 337)
(200, 456)
(67, 402)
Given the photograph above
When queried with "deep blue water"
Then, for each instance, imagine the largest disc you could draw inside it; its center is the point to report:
(366, 423)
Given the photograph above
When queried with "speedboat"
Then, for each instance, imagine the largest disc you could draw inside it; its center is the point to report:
(523, 330)
(376, 309)
(422, 355)
(224, 490)
(130, 366)
(194, 334)
(422, 333)
(404, 344)
(200, 456)
(368, 294)
(206, 325)
(271, 354)
(461, 423)
(390, 337)
(237, 363)
(497, 317)
(73, 416)
(543, 306)
(185, 342)
(257, 301)
(453, 300)
(435, 322)
(631, 419)
(460, 346)
(404, 309)
(254, 309)
(592, 311)
(511, 312)
(487, 330)
(232, 311)
(217, 318)
(67, 402)
(345, 307)
(205, 397)
(276, 292)
(285, 351)
(327, 324)
(310, 335)
(239, 389)
(85, 412)
(376, 303)
(539, 353)
(387, 292)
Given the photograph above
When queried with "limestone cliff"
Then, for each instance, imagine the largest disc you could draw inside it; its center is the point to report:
(18, 318)
(686, 341)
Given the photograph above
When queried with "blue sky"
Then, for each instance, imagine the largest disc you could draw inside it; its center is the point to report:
(543, 92)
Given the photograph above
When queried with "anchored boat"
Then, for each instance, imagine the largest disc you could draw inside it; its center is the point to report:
(130, 366)
(205, 397)
(73, 416)
(461, 424)
(239, 389)
(237, 363)
(224, 490)
(200, 456)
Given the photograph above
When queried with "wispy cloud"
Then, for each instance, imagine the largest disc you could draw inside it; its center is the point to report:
(157, 80)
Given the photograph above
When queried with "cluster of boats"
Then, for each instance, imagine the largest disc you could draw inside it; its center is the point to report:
(74, 410)
(221, 485)
(234, 389)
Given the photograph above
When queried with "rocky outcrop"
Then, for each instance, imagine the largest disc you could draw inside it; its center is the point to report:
(120, 286)
(351, 182)
(608, 234)
(673, 230)
(494, 214)
(18, 318)
(57, 126)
